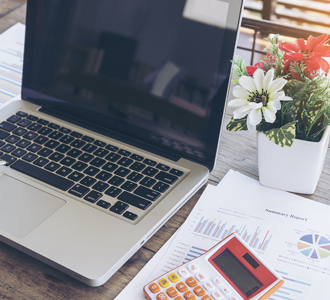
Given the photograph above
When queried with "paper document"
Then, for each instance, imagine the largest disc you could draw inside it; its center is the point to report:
(291, 233)
(11, 62)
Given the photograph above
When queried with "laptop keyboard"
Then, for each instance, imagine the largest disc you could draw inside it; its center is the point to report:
(114, 179)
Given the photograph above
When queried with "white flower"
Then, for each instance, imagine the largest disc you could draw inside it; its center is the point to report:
(258, 97)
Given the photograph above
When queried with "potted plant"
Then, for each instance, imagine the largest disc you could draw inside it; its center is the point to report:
(285, 98)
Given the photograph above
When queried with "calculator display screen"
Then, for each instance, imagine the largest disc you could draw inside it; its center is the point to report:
(237, 273)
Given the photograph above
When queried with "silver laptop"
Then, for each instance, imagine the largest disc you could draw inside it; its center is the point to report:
(119, 122)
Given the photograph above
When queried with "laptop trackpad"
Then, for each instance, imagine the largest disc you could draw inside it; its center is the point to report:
(23, 207)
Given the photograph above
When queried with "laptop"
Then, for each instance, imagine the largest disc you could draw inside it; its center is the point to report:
(118, 125)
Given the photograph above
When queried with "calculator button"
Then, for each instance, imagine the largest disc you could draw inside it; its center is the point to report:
(172, 292)
(183, 272)
(189, 296)
(179, 298)
(217, 295)
(191, 282)
(173, 277)
(218, 281)
(201, 277)
(209, 285)
(233, 298)
(154, 288)
(193, 268)
(181, 287)
(206, 297)
(199, 291)
(225, 290)
(162, 296)
(164, 282)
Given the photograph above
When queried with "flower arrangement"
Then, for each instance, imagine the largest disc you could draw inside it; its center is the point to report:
(287, 94)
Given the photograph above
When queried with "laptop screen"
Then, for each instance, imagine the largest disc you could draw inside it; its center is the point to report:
(153, 73)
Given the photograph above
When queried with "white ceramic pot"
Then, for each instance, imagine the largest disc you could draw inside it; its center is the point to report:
(295, 169)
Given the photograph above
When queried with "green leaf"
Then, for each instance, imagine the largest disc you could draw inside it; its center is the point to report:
(237, 124)
(283, 136)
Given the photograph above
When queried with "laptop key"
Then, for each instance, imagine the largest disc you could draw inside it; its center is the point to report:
(41, 161)
(32, 118)
(74, 153)
(137, 157)
(3, 134)
(79, 166)
(63, 148)
(45, 152)
(78, 144)
(134, 200)
(117, 210)
(30, 157)
(79, 190)
(55, 135)
(66, 139)
(43, 122)
(42, 175)
(148, 182)
(7, 126)
(65, 130)
(101, 152)
(150, 162)
(111, 148)
(24, 122)
(130, 215)
(12, 139)
(124, 152)
(176, 172)
(64, 171)
(162, 167)
(18, 131)
(113, 157)
(150, 171)
(21, 114)
(122, 205)
(160, 187)
(136, 177)
(76, 176)
(138, 167)
(88, 181)
(67, 161)
(113, 191)
(14, 119)
(97, 162)
(125, 161)
(85, 157)
(147, 193)
(115, 180)
(52, 144)
(110, 167)
(34, 126)
(8, 148)
(99, 143)
(93, 196)
(100, 186)
(128, 186)
(9, 159)
(91, 171)
(103, 204)
(76, 134)
(87, 139)
(41, 139)
(18, 152)
(123, 172)
(54, 126)
(89, 148)
(2, 143)
(23, 143)
(45, 131)
(56, 156)
(103, 175)
(30, 135)
(167, 178)
(52, 166)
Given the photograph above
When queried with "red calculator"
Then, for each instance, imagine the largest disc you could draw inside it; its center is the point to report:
(231, 270)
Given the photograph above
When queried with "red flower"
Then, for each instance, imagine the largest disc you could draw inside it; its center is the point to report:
(260, 65)
(310, 52)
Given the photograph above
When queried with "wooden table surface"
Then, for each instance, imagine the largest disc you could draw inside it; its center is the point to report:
(23, 277)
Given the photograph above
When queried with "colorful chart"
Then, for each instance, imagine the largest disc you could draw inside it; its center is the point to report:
(314, 246)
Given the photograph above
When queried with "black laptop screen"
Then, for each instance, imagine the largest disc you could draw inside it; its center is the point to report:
(150, 72)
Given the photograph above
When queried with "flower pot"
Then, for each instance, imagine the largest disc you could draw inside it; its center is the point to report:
(295, 169)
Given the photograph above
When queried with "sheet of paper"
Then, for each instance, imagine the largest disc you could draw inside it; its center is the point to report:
(11, 62)
(290, 232)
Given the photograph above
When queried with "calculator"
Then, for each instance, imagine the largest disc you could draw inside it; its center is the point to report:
(230, 270)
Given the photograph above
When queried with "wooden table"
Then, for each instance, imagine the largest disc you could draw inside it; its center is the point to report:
(23, 277)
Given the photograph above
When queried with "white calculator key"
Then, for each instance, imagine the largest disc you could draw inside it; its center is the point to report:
(217, 281)
(225, 290)
(233, 298)
(217, 295)
(193, 268)
(201, 277)
(209, 286)
(183, 272)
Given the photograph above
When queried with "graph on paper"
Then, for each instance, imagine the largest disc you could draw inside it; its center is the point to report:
(11, 62)
(220, 229)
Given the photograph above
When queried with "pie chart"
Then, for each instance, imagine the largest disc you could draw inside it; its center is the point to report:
(314, 246)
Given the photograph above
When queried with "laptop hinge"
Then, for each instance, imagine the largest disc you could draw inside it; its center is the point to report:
(71, 118)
